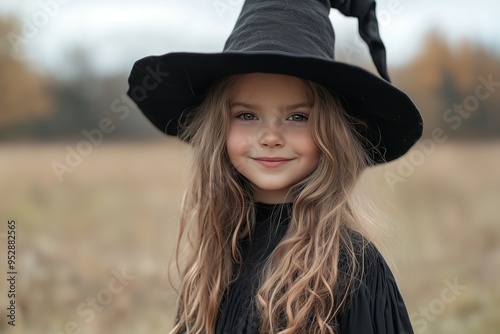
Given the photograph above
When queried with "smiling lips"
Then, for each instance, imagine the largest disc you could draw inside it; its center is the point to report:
(272, 162)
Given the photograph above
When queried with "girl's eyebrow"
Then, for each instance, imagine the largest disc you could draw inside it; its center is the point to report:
(257, 107)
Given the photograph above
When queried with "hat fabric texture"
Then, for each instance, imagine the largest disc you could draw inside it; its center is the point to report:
(288, 37)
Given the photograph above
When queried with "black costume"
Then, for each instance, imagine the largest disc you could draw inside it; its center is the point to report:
(376, 307)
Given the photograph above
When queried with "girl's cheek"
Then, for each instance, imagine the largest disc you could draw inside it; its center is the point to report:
(245, 132)
(239, 140)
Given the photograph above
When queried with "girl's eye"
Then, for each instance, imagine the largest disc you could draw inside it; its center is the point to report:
(246, 116)
(298, 117)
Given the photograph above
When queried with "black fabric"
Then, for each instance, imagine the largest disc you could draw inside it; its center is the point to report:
(368, 29)
(376, 306)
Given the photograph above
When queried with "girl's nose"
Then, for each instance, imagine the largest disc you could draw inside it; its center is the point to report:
(271, 137)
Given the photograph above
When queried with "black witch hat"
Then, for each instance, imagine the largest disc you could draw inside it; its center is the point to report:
(292, 37)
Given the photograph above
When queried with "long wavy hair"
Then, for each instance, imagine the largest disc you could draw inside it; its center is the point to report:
(307, 280)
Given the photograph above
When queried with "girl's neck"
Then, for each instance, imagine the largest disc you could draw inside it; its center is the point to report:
(272, 196)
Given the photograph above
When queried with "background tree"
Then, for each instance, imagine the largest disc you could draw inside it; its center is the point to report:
(23, 93)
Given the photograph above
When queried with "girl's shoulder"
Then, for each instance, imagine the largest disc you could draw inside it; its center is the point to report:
(376, 304)
(368, 257)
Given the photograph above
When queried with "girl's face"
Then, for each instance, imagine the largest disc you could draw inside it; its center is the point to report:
(269, 140)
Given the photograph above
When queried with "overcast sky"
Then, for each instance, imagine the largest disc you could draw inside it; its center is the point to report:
(118, 32)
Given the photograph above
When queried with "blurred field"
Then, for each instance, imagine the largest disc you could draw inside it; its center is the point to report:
(117, 211)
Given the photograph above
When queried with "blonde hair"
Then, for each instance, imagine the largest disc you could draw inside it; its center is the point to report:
(309, 277)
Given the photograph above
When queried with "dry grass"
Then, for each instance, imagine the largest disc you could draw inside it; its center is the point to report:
(118, 209)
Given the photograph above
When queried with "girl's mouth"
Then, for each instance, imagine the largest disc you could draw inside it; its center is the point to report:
(272, 162)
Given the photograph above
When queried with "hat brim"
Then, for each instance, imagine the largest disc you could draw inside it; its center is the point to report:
(164, 86)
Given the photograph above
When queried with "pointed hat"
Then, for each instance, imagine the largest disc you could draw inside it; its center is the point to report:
(291, 37)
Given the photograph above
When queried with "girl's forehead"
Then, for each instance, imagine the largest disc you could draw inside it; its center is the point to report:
(285, 90)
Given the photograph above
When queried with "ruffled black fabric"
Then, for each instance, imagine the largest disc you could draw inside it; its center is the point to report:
(376, 305)
(238, 313)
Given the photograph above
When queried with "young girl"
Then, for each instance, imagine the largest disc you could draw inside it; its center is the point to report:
(280, 133)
